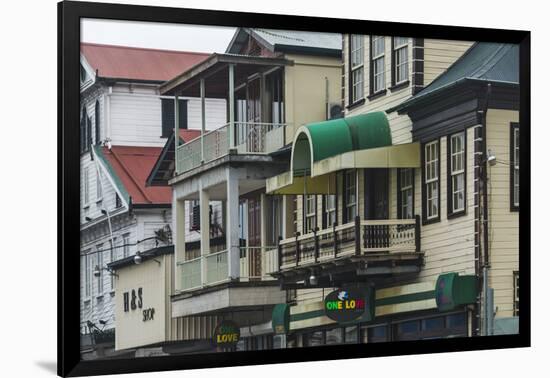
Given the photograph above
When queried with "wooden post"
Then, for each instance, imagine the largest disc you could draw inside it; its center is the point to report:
(417, 233)
(279, 253)
(335, 239)
(357, 235)
(316, 238)
(297, 249)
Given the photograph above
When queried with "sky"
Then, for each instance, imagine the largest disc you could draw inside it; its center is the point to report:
(196, 38)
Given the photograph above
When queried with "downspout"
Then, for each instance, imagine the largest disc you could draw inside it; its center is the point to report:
(487, 312)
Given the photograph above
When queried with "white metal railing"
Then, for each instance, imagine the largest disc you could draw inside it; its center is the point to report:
(250, 138)
(216, 267)
(258, 262)
(190, 272)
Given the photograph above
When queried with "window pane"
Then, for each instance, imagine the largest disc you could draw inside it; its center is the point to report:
(350, 335)
(334, 336)
(314, 338)
(376, 334)
(456, 320)
(408, 327)
(433, 324)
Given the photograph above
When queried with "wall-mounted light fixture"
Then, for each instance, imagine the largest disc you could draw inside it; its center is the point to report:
(97, 271)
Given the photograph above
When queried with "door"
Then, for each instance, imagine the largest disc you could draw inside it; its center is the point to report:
(254, 255)
(377, 207)
(254, 131)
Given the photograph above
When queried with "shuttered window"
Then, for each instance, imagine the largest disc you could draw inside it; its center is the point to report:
(97, 123)
(168, 116)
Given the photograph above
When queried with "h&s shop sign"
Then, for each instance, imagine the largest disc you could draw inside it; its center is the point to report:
(344, 305)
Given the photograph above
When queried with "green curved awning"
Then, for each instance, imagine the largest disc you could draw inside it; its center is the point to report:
(322, 140)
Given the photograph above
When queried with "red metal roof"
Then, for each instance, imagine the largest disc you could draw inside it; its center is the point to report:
(132, 165)
(136, 63)
(189, 134)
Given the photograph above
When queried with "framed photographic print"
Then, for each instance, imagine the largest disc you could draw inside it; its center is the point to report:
(241, 185)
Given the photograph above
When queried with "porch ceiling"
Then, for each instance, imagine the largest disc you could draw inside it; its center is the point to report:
(214, 71)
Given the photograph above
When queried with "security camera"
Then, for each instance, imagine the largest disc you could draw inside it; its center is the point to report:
(137, 259)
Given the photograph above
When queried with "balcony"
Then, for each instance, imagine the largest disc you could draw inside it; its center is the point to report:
(254, 138)
(347, 252)
(255, 264)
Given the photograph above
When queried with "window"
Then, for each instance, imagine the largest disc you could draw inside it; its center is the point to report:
(82, 74)
(274, 94)
(169, 117)
(125, 245)
(97, 123)
(400, 60)
(87, 273)
(431, 180)
(376, 334)
(334, 336)
(514, 167)
(330, 210)
(86, 180)
(516, 293)
(99, 259)
(99, 191)
(356, 57)
(350, 335)
(112, 257)
(316, 338)
(457, 160)
(350, 196)
(310, 207)
(405, 193)
(275, 222)
(377, 64)
(83, 131)
(118, 202)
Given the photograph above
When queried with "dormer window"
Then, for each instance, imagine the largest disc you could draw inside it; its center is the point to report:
(82, 74)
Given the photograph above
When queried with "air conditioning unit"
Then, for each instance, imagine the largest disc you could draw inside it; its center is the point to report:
(335, 111)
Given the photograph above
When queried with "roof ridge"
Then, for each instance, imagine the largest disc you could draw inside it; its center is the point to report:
(280, 35)
(145, 48)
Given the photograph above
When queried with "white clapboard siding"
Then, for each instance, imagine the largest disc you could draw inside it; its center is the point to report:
(449, 244)
(503, 223)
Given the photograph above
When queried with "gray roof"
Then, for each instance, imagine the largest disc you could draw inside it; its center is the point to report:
(281, 39)
(300, 38)
(484, 61)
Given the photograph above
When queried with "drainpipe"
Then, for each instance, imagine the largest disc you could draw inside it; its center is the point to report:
(176, 131)
(488, 312)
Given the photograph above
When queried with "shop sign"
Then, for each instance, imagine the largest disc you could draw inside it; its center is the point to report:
(453, 290)
(227, 334)
(345, 305)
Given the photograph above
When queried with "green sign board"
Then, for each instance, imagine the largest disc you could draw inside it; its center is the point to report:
(452, 290)
(347, 304)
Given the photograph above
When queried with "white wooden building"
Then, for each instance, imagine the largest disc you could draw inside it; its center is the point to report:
(125, 122)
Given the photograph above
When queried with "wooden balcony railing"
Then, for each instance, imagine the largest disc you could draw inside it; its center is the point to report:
(359, 238)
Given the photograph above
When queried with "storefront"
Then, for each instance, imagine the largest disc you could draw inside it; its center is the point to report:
(425, 310)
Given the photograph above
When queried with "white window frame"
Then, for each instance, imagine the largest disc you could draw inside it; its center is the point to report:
(112, 258)
(431, 180)
(125, 245)
(310, 216)
(86, 184)
(457, 170)
(401, 59)
(380, 57)
(515, 164)
(99, 263)
(516, 294)
(406, 192)
(330, 209)
(87, 275)
(350, 191)
(357, 64)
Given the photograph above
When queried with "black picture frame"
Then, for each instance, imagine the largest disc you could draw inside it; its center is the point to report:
(69, 15)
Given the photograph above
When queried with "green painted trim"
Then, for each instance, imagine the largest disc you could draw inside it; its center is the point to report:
(120, 186)
(413, 297)
(307, 315)
(379, 302)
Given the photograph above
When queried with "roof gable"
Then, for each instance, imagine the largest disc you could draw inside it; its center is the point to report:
(293, 41)
(132, 165)
(483, 62)
(133, 63)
